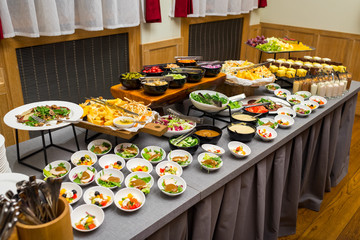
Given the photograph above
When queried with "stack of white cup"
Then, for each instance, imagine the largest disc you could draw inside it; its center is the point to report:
(4, 164)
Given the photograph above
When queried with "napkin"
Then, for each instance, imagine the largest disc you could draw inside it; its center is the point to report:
(152, 11)
(262, 3)
(183, 8)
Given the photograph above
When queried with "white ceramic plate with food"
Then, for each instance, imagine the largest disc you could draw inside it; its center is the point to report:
(287, 112)
(57, 169)
(282, 93)
(320, 100)
(210, 161)
(124, 199)
(172, 185)
(109, 178)
(213, 149)
(154, 154)
(266, 133)
(81, 214)
(176, 128)
(302, 110)
(100, 147)
(304, 94)
(126, 150)
(208, 107)
(239, 149)
(284, 121)
(139, 165)
(140, 180)
(168, 168)
(294, 99)
(10, 118)
(124, 122)
(71, 192)
(271, 87)
(311, 104)
(99, 196)
(182, 157)
(83, 158)
(267, 122)
(112, 161)
(82, 175)
(276, 103)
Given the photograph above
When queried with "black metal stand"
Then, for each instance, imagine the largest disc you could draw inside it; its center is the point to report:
(211, 115)
(44, 147)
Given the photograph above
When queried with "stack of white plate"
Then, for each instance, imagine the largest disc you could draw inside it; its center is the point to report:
(4, 164)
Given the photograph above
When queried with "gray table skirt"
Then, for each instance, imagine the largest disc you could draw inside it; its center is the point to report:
(263, 201)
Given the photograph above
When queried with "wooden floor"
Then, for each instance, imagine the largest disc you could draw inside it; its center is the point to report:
(339, 216)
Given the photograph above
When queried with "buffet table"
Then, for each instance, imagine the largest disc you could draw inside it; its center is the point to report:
(254, 198)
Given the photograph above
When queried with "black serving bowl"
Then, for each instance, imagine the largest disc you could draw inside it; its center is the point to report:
(235, 120)
(193, 74)
(212, 140)
(154, 90)
(258, 115)
(212, 72)
(177, 83)
(133, 83)
(191, 149)
(150, 74)
(183, 64)
(241, 137)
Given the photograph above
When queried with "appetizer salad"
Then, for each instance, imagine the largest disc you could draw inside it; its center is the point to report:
(55, 172)
(170, 186)
(239, 150)
(85, 160)
(127, 152)
(87, 223)
(115, 165)
(46, 113)
(140, 169)
(211, 161)
(69, 195)
(168, 170)
(107, 180)
(143, 184)
(271, 124)
(175, 124)
(181, 160)
(302, 111)
(101, 149)
(272, 87)
(283, 122)
(99, 199)
(264, 133)
(153, 155)
(129, 202)
(85, 176)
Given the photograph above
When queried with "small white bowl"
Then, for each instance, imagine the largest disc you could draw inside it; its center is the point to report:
(319, 99)
(180, 153)
(72, 186)
(140, 175)
(125, 145)
(178, 181)
(122, 193)
(304, 94)
(111, 172)
(268, 130)
(101, 190)
(79, 154)
(306, 108)
(163, 164)
(234, 144)
(311, 104)
(123, 126)
(83, 210)
(111, 159)
(280, 91)
(153, 148)
(272, 84)
(202, 155)
(284, 118)
(213, 149)
(98, 142)
(207, 107)
(170, 134)
(266, 120)
(135, 162)
(296, 97)
(286, 111)
(79, 169)
(55, 164)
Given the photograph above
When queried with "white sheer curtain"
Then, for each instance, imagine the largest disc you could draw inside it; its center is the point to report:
(202, 8)
(33, 18)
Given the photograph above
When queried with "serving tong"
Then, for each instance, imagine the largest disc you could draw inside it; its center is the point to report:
(103, 102)
(185, 117)
(248, 67)
(183, 137)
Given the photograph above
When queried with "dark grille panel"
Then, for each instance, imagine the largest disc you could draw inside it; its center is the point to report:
(73, 70)
(219, 40)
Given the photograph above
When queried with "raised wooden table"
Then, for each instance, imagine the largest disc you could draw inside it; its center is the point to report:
(170, 96)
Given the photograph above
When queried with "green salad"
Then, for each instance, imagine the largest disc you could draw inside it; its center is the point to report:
(234, 105)
(109, 181)
(101, 149)
(127, 152)
(78, 176)
(207, 99)
(187, 142)
(55, 172)
(211, 161)
(170, 186)
(143, 184)
(153, 155)
(273, 125)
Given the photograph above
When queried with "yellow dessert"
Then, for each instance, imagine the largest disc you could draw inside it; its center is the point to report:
(280, 73)
(290, 74)
(273, 68)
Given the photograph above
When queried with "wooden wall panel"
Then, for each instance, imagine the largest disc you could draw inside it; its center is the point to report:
(335, 48)
(161, 52)
(252, 54)
(309, 39)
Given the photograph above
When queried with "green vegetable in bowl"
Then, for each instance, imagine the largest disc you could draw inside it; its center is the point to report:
(140, 183)
(208, 98)
(234, 105)
(187, 142)
(269, 124)
(131, 75)
(176, 76)
(211, 161)
(153, 155)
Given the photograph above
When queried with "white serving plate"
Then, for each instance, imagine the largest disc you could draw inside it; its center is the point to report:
(210, 147)
(111, 159)
(168, 163)
(308, 94)
(265, 120)
(202, 155)
(268, 129)
(157, 148)
(82, 211)
(125, 145)
(55, 164)
(79, 169)
(139, 195)
(133, 163)
(274, 99)
(111, 172)
(284, 118)
(99, 142)
(294, 96)
(286, 110)
(180, 152)
(179, 181)
(303, 107)
(77, 155)
(234, 144)
(101, 190)
(317, 99)
(287, 92)
(207, 107)
(140, 175)
(170, 134)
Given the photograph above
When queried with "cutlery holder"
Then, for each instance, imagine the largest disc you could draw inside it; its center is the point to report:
(58, 229)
